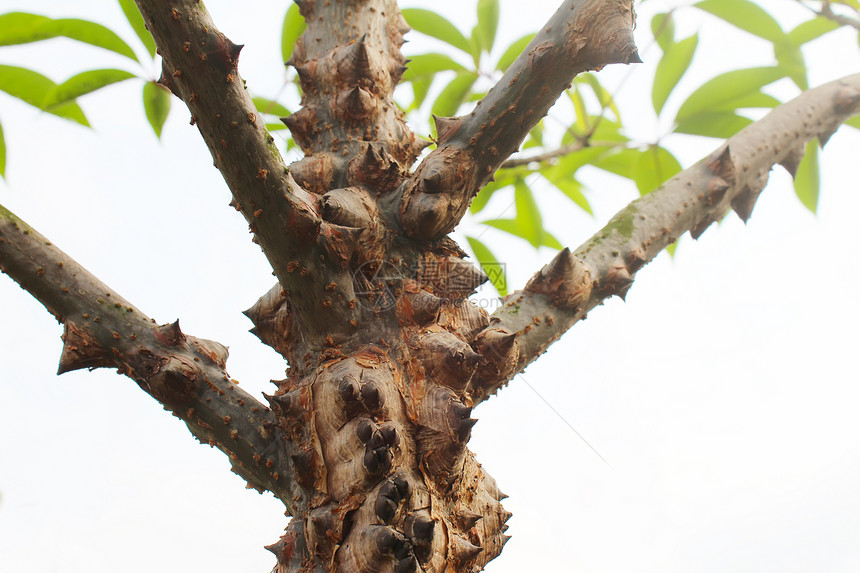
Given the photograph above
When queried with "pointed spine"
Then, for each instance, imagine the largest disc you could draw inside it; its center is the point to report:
(565, 280)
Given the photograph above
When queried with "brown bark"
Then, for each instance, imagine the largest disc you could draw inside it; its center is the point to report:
(371, 309)
(582, 35)
(365, 438)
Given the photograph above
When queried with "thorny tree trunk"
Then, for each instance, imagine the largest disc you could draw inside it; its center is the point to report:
(365, 439)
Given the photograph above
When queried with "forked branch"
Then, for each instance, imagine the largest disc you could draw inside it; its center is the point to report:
(582, 35)
(566, 289)
(200, 67)
(185, 374)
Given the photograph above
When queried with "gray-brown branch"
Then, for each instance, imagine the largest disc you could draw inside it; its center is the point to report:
(827, 12)
(185, 374)
(200, 67)
(571, 285)
(582, 35)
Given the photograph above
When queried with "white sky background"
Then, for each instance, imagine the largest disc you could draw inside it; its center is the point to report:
(723, 393)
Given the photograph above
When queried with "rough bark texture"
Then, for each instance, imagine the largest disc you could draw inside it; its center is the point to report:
(732, 177)
(186, 374)
(365, 438)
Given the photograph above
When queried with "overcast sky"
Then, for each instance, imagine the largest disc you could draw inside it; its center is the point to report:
(723, 394)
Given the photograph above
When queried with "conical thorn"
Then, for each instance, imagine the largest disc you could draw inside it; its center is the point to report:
(722, 164)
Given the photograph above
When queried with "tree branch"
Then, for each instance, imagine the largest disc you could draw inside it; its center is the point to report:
(200, 67)
(566, 289)
(562, 151)
(185, 374)
(827, 12)
(582, 35)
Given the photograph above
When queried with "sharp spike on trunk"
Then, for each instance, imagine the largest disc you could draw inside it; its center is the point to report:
(349, 207)
(701, 227)
(339, 242)
(303, 125)
(315, 172)
(722, 164)
(463, 550)
(825, 135)
(717, 188)
(744, 203)
(499, 353)
(446, 359)
(565, 280)
(446, 127)
(293, 403)
(81, 350)
(618, 280)
(792, 160)
(170, 334)
(418, 305)
(468, 518)
(356, 104)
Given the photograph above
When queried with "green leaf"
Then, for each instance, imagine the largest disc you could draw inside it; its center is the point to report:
(529, 220)
(573, 191)
(790, 59)
(549, 240)
(719, 92)
(475, 43)
(82, 84)
(755, 100)
(488, 23)
(655, 166)
(807, 182)
(483, 197)
(433, 25)
(567, 166)
(22, 28)
(510, 226)
(156, 104)
(2, 153)
(608, 130)
(811, 30)
(424, 65)
(490, 265)
(621, 162)
(663, 28)
(454, 94)
(33, 88)
(579, 108)
(603, 96)
(745, 15)
(275, 126)
(293, 27)
(132, 14)
(671, 68)
(270, 107)
(535, 137)
(722, 124)
(853, 122)
(503, 179)
(513, 51)
(420, 89)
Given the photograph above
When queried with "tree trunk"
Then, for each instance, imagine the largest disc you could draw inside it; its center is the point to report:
(387, 355)
(365, 438)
